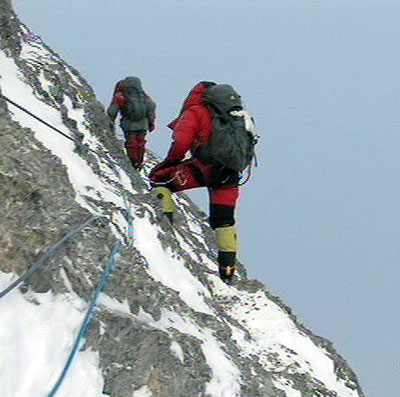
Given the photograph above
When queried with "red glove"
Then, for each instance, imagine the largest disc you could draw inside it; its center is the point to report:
(161, 166)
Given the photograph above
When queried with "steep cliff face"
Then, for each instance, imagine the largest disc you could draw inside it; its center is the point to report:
(165, 325)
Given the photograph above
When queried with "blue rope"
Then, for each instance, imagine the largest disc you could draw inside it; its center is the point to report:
(37, 266)
(129, 240)
(89, 315)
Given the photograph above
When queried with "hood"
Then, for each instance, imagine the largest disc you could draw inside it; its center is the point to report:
(133, 82)
(130, 81)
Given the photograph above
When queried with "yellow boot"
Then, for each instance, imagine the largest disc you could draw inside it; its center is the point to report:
(227, 243)
(167, 204)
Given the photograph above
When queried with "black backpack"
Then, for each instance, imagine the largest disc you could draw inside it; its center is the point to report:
(135, 108)
(231, 144)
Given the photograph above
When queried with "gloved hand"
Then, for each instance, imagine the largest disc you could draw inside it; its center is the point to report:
(160, 166)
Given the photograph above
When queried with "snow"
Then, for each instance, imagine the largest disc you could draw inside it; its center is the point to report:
(44, 82)
(114, 305)
(143, 392)
(36, 336)
(177, 350)
(168, 269)
(65, 278)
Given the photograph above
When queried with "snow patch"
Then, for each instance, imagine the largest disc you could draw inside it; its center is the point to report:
(177, 350)
(29, 364)
(144, 391)
(114, 305)
(169, 269)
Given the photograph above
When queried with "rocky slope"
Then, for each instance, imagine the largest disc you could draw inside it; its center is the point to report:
(166, 325)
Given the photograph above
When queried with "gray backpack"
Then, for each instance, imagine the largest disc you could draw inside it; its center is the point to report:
(231, 144)
(135, 108)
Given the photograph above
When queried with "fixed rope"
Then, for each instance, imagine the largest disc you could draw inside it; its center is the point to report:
(89, 315)
(77, 143)
(37, 265)
(36, 117)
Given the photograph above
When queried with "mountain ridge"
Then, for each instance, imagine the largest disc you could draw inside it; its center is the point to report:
(187, 328)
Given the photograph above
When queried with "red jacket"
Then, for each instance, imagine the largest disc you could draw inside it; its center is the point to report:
(193, 127)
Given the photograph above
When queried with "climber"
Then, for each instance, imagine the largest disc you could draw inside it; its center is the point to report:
(137, 117)
(197, 123)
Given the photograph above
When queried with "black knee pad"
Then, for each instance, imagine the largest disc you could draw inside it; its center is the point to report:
(221, 215)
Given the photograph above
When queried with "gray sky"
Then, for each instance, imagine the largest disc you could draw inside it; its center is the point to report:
(319, 221)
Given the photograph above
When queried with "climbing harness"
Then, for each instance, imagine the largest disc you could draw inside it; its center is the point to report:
(181, 177)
